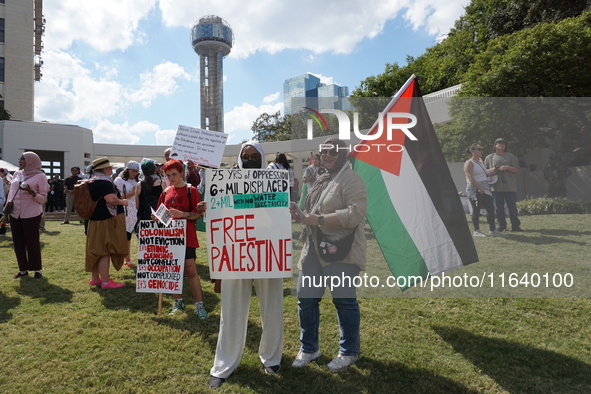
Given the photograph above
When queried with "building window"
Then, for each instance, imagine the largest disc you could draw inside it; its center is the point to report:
(2, 29)
(1, 69)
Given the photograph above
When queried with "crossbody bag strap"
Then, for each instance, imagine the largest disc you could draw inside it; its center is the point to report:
(329, 186)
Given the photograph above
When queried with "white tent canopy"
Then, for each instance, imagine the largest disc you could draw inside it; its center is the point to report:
(9, 166)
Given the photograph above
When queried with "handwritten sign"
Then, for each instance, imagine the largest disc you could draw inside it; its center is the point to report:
(203, 147)
(161, 257)
(248, 224)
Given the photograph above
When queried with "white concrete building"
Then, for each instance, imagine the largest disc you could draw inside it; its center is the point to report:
(21, 30)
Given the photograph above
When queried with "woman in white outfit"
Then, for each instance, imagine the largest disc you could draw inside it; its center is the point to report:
(125, 183)
(478, 190)
(236, 295)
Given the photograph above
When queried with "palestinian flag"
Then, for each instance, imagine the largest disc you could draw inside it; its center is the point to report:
(413, 207)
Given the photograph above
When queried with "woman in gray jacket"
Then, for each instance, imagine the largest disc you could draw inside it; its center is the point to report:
(334, 247)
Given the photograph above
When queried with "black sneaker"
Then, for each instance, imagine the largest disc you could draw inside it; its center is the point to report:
(272, 369)
(19, 275)
(216, 382)
(38, 275)
(517, 230)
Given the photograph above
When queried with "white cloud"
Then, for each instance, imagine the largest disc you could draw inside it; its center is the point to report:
(435, 18)
(323, 79)
(106, 132)
(335, 26)
(271, 98)
(105, 25)
(162, 80)
(68, 92)
(238, 121)
(165, 137)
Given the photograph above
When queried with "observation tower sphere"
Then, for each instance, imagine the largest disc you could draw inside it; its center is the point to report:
(212, 40)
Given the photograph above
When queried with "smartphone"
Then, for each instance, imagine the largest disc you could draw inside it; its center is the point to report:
(298, 211)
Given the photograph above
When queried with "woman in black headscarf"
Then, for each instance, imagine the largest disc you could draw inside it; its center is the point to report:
(334, 245)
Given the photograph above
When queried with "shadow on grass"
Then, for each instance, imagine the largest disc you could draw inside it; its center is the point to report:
(519, 368)
(559, 232)
(208, 328)
(7, 244)
(6, 304)
(42, 288)
(127, 298)
(366, 376)
(542, 239)
(50, 233)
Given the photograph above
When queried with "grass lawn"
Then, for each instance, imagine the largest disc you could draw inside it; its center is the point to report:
(58, 334)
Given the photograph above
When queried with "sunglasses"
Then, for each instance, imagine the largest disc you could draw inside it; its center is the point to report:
(254, 156)
(332, 152)
(477, 149)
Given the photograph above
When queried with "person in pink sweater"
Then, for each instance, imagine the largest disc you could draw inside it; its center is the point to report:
(28, 191)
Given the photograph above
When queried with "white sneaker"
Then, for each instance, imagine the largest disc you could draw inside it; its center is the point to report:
(496, 233)
(477, 233)
(303, 359)
(340, 362)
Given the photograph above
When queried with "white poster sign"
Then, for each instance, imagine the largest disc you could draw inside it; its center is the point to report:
(161, 257)
(203, 147)
(248, 224)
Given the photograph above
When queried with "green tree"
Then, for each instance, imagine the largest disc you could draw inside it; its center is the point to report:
(446, 63)
(271, 127)
(4, 114)
(543, 61)
(274, 127)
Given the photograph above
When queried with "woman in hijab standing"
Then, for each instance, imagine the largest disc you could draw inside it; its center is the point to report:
(334, 245)
(236, 294)
(28, 191)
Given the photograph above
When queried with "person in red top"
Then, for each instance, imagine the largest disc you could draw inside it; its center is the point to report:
(184, 205)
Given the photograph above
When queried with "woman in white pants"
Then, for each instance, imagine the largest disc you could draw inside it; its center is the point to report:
(236, 295)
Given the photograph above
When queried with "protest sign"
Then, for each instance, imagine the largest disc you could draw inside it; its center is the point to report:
(248, 224)
(203, 147)
(161, 257)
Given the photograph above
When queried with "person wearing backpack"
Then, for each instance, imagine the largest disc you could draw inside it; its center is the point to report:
(106, 236)
(184, 202)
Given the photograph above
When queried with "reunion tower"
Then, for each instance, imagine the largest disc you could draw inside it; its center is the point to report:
(212, 39)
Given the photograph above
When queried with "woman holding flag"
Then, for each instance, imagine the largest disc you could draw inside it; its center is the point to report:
(334, 247)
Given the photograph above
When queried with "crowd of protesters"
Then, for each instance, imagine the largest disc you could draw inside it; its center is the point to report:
(131, 194)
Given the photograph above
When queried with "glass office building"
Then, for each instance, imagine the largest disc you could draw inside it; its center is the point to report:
(307, 91)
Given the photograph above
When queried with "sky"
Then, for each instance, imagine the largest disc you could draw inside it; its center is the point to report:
(126, 68)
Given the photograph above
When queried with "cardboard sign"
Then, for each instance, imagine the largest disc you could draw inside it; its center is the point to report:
(203, 147)
(248, 224)
(161, 257)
